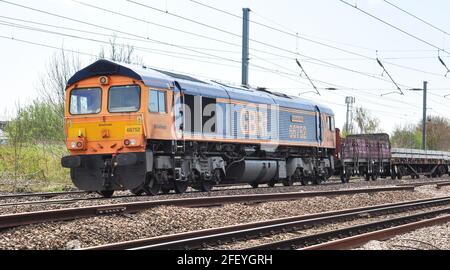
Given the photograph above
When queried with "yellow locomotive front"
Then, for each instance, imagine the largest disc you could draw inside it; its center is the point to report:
(106, 133)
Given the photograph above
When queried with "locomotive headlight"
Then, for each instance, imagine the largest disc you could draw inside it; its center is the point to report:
(131, 142)
(73, 145)
(79, 144)
(104, 80)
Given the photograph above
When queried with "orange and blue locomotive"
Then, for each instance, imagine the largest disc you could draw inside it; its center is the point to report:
(147, 130)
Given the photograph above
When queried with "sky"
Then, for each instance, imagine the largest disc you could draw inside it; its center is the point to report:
(336, 44)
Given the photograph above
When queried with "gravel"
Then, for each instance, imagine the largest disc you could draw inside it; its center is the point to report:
(219, 191)
(317, 229)
(429, 238)
(169, 220)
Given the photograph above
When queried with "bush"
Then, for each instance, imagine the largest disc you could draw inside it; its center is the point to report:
(37, 169)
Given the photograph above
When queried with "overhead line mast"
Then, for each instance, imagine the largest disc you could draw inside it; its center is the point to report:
(245, 45)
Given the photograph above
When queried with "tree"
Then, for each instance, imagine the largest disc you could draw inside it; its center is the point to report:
(406, 137)
(120, 52)
(366, 123)
(17, 132)
(438, 133)
(52, 89)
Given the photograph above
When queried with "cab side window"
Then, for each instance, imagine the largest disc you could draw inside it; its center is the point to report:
(330, 123)
(157, 101)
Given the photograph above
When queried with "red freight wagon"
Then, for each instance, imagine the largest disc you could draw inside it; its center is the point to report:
(366, 155)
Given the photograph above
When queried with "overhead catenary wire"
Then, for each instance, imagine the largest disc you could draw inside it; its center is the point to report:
(215, 57)
(96, 56)
(142, 37)
(288, 32)
(295, 35)
(238, 45)
(395, 27)
(253, 40)
(87, 54)
(191, 50)
(417, 17)
(145, 49)
(347, 89)
(119, 31)
(156, 24)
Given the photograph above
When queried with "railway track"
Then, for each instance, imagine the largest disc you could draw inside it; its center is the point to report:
(74, 200)
(438, 184)
(383, 234)
(354, 236)
(425, 183)
(20, 219)
(45, 194)
(230, 234)
(443, 184)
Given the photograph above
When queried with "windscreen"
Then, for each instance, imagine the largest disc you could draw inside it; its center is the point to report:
(124, 98)
(85, 101)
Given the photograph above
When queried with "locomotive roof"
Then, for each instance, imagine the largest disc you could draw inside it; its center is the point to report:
(190, 85)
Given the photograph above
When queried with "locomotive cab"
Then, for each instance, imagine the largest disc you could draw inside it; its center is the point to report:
(105, 133)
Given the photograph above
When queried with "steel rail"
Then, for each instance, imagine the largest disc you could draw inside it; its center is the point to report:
(19, 219)
(384, 234)
(202, 238)
(67, 201)
(74, 200)
(315, 239)
(443, 184)
(429, 183)
(46, 194)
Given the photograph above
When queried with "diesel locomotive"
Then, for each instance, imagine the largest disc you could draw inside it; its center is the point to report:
(150, 131)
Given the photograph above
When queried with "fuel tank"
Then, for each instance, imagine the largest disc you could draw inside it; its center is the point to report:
(252, 171)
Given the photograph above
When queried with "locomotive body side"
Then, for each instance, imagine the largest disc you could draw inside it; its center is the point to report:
(149, 130)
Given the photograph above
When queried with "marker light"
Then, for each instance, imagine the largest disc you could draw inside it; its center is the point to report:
(104, 80)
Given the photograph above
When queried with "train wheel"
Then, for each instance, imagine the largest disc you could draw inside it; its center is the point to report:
(367, 177)
(254, 185)
(272, 183)
(106, 193)
(347, 178)
(207, 186)
(153, 187)
(181, 187)
(166, 190)
(393, 173)
(343, 178)
(138, 191)
(374, 177)
(318, 180)
(288, 181)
